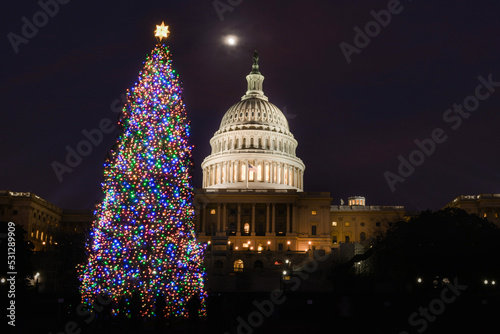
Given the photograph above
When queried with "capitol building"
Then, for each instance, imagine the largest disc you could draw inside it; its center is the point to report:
(252, 210)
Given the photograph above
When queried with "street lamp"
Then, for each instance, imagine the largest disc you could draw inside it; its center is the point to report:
(36, 281)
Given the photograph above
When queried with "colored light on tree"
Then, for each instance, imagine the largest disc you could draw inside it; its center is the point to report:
(143, 237)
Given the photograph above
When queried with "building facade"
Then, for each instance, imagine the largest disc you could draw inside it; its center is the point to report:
(43, 221)
(484, 205)
(361, 223)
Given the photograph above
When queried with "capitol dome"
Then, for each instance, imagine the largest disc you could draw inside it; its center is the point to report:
(253, 148)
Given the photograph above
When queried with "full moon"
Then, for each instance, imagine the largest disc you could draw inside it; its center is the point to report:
(231, 40)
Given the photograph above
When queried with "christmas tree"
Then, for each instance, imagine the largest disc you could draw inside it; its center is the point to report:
(143, 242)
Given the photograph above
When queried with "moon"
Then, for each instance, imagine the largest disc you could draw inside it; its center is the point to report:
(231, 40)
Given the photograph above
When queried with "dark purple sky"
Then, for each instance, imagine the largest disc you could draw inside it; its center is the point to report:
(352, 121)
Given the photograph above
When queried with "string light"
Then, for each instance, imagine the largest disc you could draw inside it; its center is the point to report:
(143, 238)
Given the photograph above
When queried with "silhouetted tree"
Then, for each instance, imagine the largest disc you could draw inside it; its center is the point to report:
(444, 243)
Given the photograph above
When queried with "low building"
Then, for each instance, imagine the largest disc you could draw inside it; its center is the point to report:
(484, 205)
(42, 220)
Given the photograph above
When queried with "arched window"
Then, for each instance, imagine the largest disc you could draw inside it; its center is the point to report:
(238, 265)
(258, 265)
(246, 228)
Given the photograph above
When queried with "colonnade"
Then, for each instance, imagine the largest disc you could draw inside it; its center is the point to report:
(256, 171)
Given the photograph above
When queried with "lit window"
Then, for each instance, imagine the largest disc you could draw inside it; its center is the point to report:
(485, 215)
(246, 228)
(245, 245)
(259, 173)
(334, 223)
(314, 213)
(243, 171)
(238, 265)
(212, 212)
(347, 224)
(267, 173)
(496, 214)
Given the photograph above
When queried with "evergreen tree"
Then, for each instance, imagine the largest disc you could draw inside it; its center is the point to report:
(143, 242)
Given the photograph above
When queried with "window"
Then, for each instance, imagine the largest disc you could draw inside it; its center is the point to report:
(334, 239)
(243, 171)
(377, 224)
(485, 215)
(238, 265)
(362, 224)
(347, 224)
(212, 212)
(346, 239)
(496, 214)
(362, 236)
(334, 223)
(314, 213)
(280, 247)
(313, 230)
(246, 228)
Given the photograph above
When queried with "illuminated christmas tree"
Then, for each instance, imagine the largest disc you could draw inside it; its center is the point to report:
(143, 241)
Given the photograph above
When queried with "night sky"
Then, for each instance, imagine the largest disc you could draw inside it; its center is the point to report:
(352, 120)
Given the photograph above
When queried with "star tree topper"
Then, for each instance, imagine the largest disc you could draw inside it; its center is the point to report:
(161, 31)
